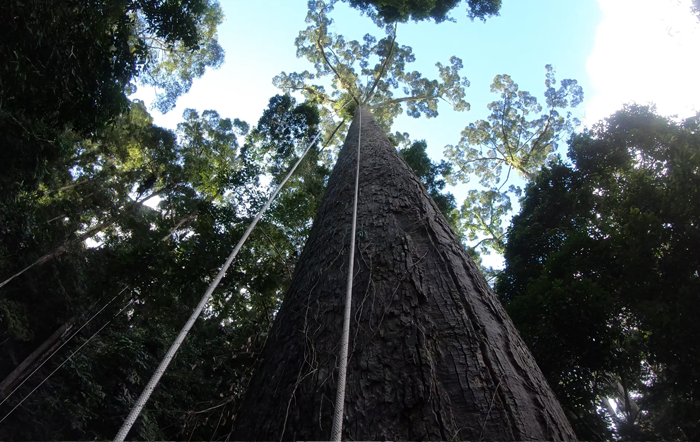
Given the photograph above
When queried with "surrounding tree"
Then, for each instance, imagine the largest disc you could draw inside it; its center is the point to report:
(516, 138)
(161, 259)
(438, 10)
(602, 279)
(68, 65)
(433, 354)
(429, 173)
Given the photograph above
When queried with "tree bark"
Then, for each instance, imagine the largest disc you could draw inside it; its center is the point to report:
(433, 354)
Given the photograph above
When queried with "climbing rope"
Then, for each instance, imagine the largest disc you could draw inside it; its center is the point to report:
(146, 394)
(64, 362)
(336, 432)
(56, 351)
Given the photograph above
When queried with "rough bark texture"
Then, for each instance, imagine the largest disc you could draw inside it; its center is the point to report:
(433, 354)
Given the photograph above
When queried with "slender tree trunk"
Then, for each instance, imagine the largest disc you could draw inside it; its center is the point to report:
(179, 224)
(58, 251)
(35, 358)
(433, 354)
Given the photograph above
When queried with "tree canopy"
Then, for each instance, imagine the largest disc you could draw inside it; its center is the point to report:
(516, 138)
(438, 10)
(602, 280)
(207, 185)
(69, 65)
(348, 62)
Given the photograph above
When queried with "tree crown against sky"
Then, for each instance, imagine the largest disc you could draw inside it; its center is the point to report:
(515, 140)
(73, 61)
(70, 66)
(368, 72)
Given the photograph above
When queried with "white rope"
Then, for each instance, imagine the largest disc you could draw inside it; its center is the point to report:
(336, 432)
(146, 394)
(59, 348)
(64, 362)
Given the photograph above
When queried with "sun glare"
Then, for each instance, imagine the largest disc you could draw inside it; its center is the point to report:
(645, 51)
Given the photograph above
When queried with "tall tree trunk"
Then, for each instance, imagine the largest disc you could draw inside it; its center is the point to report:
(433, 354)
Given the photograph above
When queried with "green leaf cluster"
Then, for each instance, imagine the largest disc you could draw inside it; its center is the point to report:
(602, 281)
(517, 138)
(438, 10)
(204, 184)
(67, 67)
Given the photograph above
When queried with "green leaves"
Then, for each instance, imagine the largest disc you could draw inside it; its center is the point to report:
(482, 219)
(429, 173)
(438, 10)
(283, 131)
(600, 267)
(208, 149)
(348, 63)
(171, 65)
(516, 138)
(208, 188)
(70, 65)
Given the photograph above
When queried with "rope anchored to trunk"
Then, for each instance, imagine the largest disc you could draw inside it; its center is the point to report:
(337, 430)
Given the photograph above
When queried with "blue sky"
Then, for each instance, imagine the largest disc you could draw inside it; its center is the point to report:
(259, 41)
(618, 50)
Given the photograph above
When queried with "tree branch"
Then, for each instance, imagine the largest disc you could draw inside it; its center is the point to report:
(332, 135)
(74, 184)
(404, 99)
(340, 79)
(312, 91)
(507, 178)
(537, 141)
(87, 234)
(179, 224)
(506, 145)
(384, 65)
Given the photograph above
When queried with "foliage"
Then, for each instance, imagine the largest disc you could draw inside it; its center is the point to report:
(517, 136)
(438, 10)
(283, 132)
(69, 64)
(429, 173)
(348, 62)
(601, 276)
(206, 187)
(172, 65)
(483, 212)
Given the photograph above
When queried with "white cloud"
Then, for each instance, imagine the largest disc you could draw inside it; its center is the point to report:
(645, 51)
